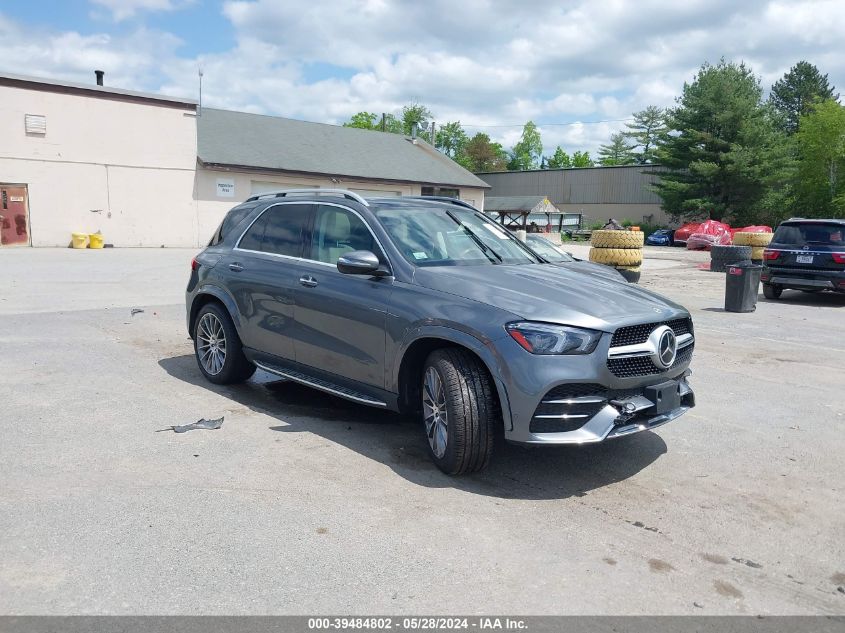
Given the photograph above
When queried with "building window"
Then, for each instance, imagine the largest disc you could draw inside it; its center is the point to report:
(445, 192)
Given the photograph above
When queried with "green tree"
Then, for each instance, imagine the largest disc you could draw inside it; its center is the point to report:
(648, 128)
(724, 152)
(481, 154)
(582, 159)
(527, 152)
(559, 160)
(820, 183)
(451, 139)
(617, 152)
(363, 120)
(415, 113)
(797, 90)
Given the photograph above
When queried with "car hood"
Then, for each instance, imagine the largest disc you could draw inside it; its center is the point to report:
(553, 294)
(590, 268)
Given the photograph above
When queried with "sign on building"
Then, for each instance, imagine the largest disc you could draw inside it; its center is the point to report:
(225, 188)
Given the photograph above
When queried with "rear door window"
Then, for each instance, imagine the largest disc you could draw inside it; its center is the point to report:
(279, 230)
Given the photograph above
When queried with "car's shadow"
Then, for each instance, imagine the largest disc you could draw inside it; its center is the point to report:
(514, 472)
(799, 298)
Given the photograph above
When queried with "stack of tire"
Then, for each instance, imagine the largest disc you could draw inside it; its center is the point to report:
(757, 241)
(621, 249)
(721, 257)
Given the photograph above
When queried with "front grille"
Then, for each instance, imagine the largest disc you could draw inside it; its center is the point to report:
(644, 366)
(636, 334)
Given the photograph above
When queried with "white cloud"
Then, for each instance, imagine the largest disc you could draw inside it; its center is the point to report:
(125, 9)
(483, 62)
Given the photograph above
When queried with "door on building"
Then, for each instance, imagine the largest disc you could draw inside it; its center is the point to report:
(14, 220)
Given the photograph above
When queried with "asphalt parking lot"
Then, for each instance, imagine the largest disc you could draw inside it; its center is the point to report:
(302, 503)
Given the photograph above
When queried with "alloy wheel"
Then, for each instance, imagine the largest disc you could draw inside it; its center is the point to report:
(211, 343)
(434, 412)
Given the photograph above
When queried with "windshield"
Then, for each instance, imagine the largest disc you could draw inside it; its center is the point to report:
(547, 250)
(810, 234)
(437, 236)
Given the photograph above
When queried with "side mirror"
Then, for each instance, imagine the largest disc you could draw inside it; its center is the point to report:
(360, 263)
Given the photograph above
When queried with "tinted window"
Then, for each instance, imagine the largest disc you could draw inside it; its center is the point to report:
(338, 231)
(285, 224)
(810, 234)
(252, 239)
(278, 230)
(232, 219)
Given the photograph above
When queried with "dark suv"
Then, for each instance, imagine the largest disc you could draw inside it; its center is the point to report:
(806, 255)
(429, 307)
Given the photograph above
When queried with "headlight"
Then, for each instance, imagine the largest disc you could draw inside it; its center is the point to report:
(544, 338)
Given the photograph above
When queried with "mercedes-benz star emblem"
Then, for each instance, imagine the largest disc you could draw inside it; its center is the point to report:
(667, 348)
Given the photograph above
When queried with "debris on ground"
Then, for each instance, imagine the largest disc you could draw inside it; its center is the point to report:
(136, 311)
(202, 423)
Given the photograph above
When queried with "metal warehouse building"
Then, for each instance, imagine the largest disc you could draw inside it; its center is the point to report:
(151, 170)
(598, 193)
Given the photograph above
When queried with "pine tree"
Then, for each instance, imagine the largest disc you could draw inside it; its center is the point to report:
(799, 88)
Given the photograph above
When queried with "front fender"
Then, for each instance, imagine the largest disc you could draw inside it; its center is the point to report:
(485, 349)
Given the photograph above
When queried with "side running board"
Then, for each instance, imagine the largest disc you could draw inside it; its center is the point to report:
(323, 385)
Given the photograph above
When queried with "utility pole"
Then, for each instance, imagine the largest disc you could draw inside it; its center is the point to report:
(432, 134)
(199, 106)
(383, 120)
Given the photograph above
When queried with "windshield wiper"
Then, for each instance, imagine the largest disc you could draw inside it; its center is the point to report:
(484, 248)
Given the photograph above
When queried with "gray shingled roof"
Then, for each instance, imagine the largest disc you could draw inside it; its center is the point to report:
(517, 203)
(267, 142)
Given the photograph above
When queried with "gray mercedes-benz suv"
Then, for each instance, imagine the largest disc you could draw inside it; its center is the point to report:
(427, 306)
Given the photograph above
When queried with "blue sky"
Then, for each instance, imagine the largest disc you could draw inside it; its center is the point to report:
(492, 64)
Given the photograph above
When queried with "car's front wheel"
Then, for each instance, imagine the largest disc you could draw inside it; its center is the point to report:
(217, 347)
(772, 292)
(460, 411)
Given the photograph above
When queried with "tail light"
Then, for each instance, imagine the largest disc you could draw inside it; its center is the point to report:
(194, 264)
(839, 258)
(770, 255)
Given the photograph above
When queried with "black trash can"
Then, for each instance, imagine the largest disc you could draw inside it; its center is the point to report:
(742, 282)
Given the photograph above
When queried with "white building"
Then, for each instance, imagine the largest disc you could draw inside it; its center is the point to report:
(150, 170)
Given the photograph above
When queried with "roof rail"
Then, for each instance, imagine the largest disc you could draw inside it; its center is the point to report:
(446, 199)
(281, 193)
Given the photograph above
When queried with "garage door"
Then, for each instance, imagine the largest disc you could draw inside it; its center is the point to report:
(375, 193)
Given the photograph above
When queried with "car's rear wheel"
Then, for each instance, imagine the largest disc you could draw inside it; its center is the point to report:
(460, 411)
(772, 292)
(217, 347)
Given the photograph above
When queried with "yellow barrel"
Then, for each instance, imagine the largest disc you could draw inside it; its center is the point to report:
(95, 240)
(79, 240)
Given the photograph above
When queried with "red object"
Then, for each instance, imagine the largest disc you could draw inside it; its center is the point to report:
(682, 234)
(194, 264)
(753, 229)
(839, 258)
(709, 233)
(13, 215)
(769, 255)
(519, 338)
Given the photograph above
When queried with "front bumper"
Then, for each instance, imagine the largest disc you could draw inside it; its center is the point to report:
(620, 416)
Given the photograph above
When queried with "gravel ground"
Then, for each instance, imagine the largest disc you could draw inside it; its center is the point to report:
(303, 503)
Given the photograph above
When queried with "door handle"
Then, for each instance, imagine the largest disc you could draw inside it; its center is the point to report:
(236, 267)
(308, 281)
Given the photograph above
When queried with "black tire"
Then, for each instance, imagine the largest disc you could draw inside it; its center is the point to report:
(728, 255)
(631, 276)
(234, 367)
(772, 292)
(472, 411)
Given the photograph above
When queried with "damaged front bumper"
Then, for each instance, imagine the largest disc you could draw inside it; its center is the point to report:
(654, 406)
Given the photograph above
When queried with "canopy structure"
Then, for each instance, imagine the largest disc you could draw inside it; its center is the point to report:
(523, 212)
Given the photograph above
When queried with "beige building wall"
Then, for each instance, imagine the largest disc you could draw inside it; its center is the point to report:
(125, 168)
(218, 190)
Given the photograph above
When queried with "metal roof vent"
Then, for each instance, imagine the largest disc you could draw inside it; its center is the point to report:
(99, 74)
(35, 123)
